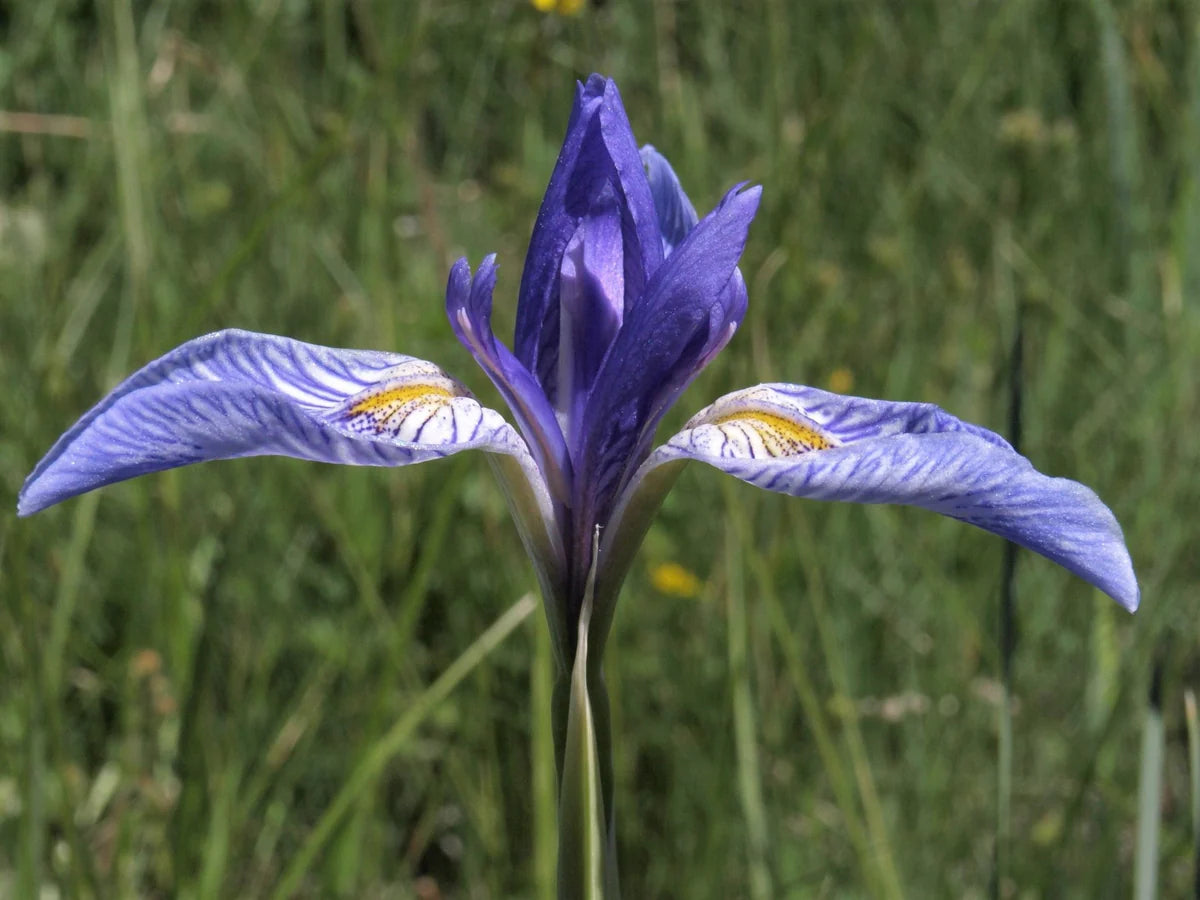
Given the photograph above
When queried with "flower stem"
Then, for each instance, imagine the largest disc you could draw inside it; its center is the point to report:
(1145, 863)
(545, 770)
(587, 859)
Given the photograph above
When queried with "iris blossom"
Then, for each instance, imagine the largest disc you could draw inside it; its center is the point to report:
(626, 295)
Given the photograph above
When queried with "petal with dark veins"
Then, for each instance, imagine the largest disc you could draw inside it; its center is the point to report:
(811, 443)
(236, 393)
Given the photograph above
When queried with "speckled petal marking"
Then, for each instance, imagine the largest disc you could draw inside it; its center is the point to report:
(754, 425)
(416, 403)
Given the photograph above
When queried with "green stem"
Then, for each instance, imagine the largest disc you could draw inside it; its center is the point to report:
(587, 853)
(583, 726)
(1193, 742)
(1145, 863)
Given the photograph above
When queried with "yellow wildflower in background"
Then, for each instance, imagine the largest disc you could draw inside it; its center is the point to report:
(562, 7)
(674, 580)
(841, 380)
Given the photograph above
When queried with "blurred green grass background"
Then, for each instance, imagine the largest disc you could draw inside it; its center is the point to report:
(194, 666)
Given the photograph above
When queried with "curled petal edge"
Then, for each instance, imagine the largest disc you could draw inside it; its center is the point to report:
(469, 309)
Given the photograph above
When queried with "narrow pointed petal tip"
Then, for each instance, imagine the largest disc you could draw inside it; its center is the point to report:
(810, 443)
(236, 393)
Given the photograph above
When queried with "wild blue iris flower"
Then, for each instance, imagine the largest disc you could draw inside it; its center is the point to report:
(626, 295)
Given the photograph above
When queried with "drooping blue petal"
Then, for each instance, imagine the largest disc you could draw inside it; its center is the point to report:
(236, 393)
(676, 215)
(599, 155)
(811, 443)
(691, 307)
(469, 308)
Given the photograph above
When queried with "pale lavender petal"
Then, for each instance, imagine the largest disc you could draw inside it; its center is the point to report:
(236, 393)
(811, 443)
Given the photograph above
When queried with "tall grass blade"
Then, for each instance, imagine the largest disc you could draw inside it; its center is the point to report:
(395, 740)
(817, 719)
(744, 719)
(544, 775)
(1008, 632)
(1145, 867)
(1125, 161)
(854, 746)
(1186, 225)
(1193, 742)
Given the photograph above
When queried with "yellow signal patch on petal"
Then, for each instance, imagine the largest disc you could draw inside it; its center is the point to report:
(756, 423)
(390, 402)
(778, 435)
(417, 403)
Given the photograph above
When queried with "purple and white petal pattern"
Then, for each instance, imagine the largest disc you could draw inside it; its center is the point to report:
(625, 296)
(236, 393)
(811, 443)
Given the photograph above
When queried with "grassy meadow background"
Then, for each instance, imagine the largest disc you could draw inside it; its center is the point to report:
(231, 680)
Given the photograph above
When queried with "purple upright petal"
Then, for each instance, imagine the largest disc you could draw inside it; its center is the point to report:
(235, 393)
(639, 221)
(811, 443)
(599, 156)
(676, 215)
(591, 308)
(691, 307)
(536, 339)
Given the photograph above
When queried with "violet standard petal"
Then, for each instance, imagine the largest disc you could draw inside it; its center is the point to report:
(676, 214)
(662, 345)
(599, 156)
